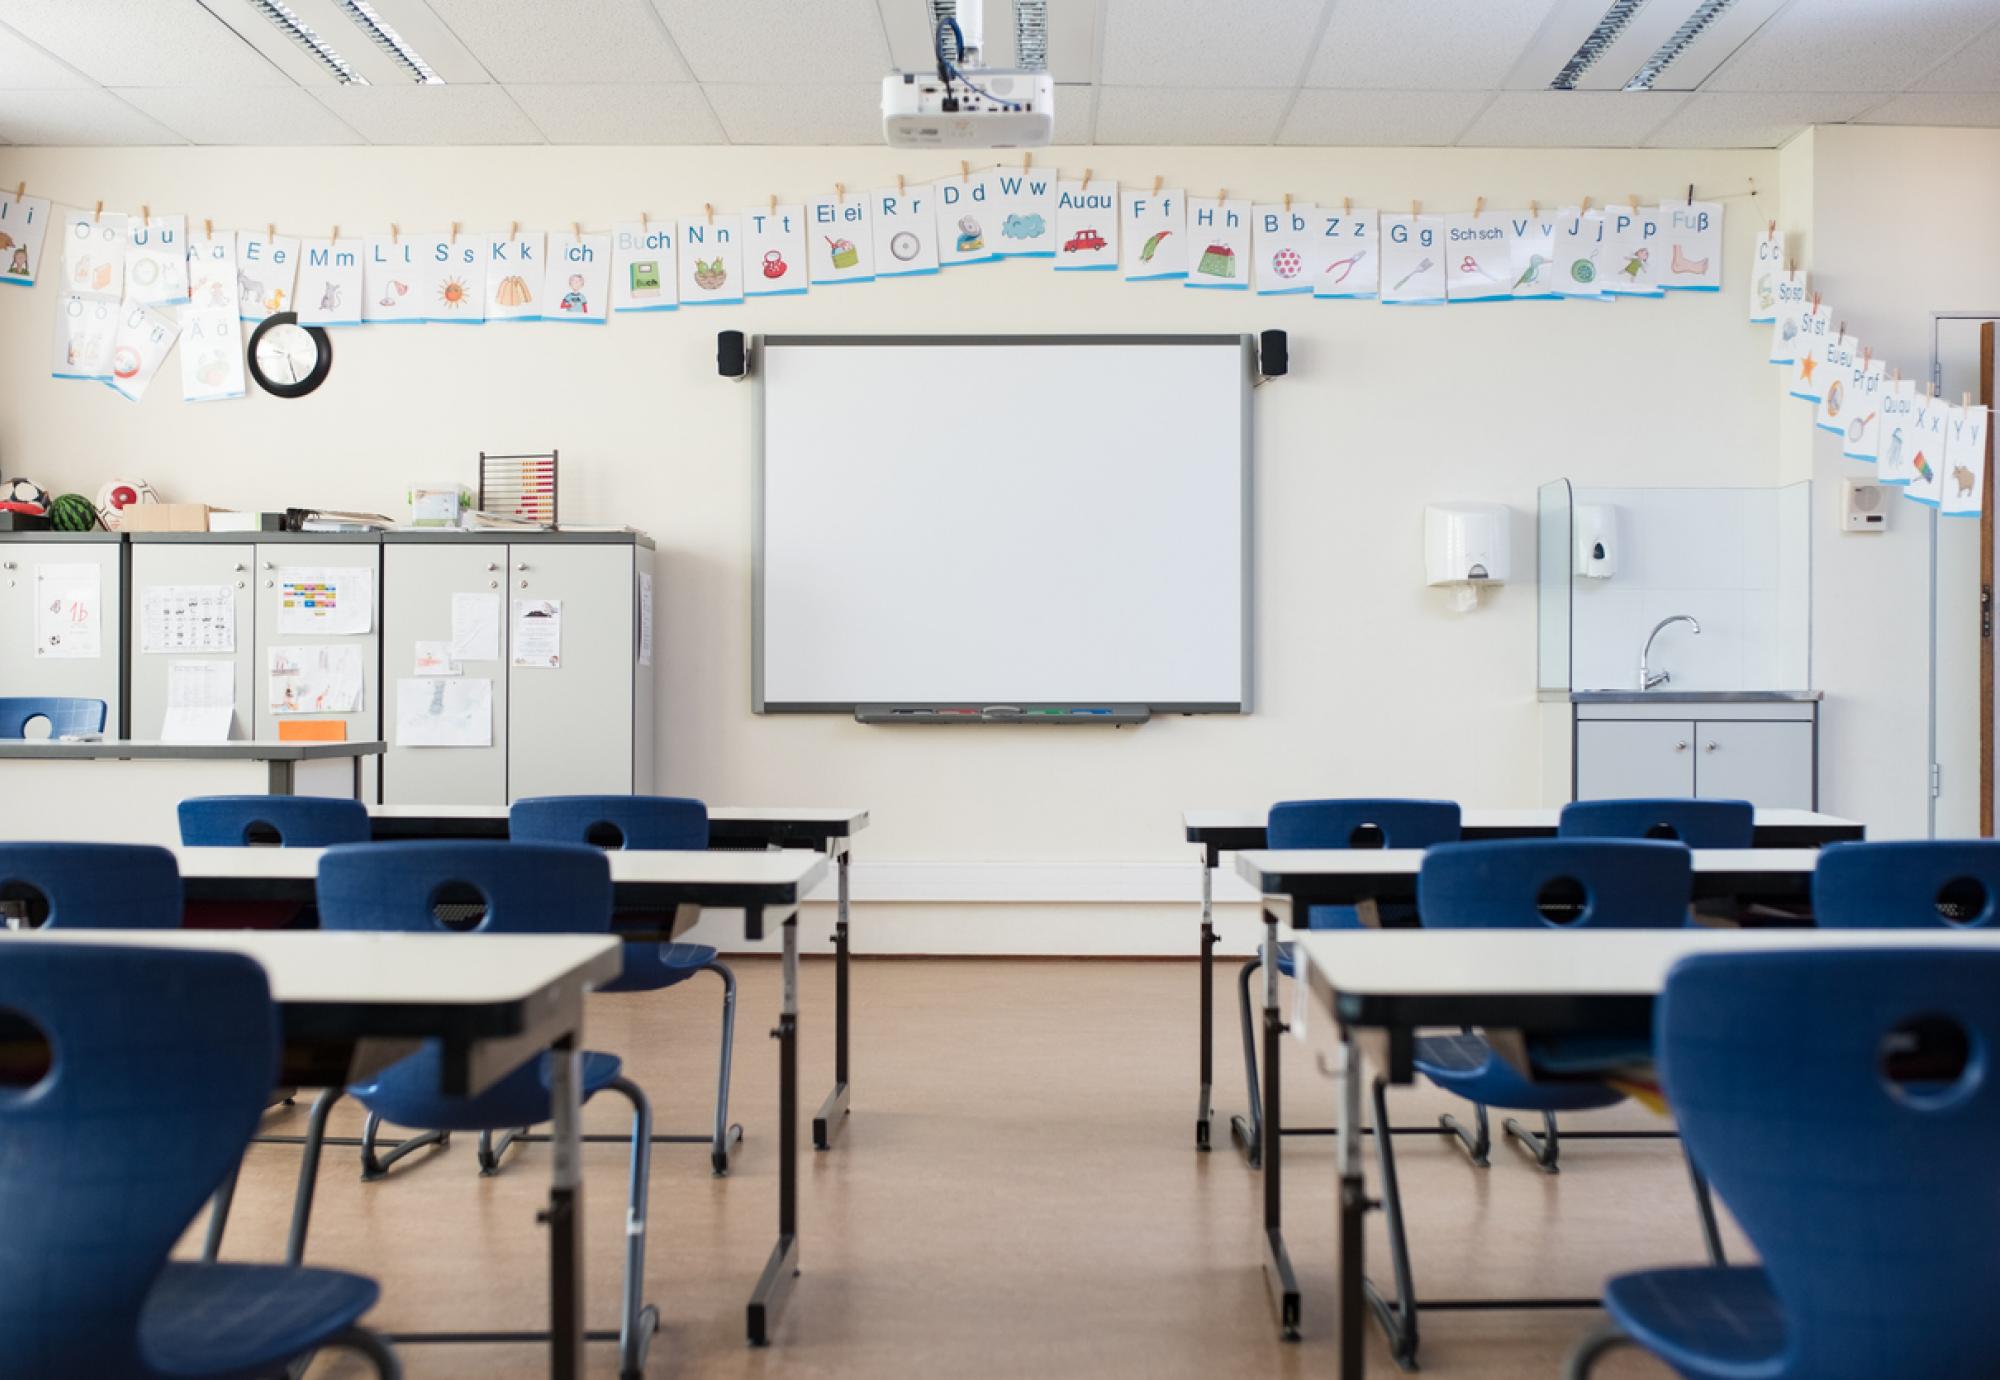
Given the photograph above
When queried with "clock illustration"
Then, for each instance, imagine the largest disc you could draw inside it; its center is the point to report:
(904, 245)
(289, 360)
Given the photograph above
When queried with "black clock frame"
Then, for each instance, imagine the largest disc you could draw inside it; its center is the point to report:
(310, 381)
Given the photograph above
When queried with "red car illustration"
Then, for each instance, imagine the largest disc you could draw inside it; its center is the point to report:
(1084, 239)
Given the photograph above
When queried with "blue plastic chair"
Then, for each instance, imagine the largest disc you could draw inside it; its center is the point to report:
(1918, 885)
(645, 822)
(1844, 1103)
(1359, 822)
(296, 821)
(65, 713)
(175, 1050)
(1696, 823)
(97, 886)
(478, 887)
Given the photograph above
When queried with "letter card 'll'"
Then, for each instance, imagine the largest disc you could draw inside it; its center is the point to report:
(392, 281)
(24, 223)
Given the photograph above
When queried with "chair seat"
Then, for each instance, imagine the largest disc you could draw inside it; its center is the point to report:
(1725, 1324)
(650, 967)
(224, 1321)
(1466, 1065)
(406, 1093)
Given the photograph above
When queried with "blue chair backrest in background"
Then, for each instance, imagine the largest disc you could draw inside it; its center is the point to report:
(65, 713)
(1556, 883)
(526, 888)
(1696, 823)
(161, 1066)
(611, 821)
(299, 821)
(1870, 1201)
(1916, 884)
(1358, 823)
(125, 886)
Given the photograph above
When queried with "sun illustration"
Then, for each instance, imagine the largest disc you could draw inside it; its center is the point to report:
(452, 292)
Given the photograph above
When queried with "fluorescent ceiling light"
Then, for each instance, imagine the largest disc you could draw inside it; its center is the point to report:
(301, 33)
(1706, 13)
(389, 41)
(1602, 37)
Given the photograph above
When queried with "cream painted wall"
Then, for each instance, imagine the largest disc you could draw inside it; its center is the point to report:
(1366, 681)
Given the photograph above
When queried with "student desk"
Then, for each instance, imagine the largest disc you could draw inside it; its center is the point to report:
(1394, 982)
(352, 1004)
(1232, 831)
(1292, 881)
(831, 831)
(130, 790)
(766, 886)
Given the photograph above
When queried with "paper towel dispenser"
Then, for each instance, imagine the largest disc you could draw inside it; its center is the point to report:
(1596, 528)
(1466, 547)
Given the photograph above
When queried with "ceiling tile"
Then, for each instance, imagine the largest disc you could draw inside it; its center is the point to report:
(1574, 119)
(1752, 120)
(143, 42)
(576, 41)
(1076, 114)
(1381, 117)
(273, 115)
(86, 116)
(1851, 45)
(799, 114)
(1072, 37)
(1188, 115)
(620, 114)
(1196, 43)
(430, 114)
(1980, 108)
(1424, 45)
(1975, 67)
(769, 41)
(24, 67)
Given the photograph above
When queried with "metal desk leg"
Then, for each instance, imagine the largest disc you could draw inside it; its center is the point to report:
(1353, 1212)
(1204, 1117)
(564, 1214)
(774, 1286)
(1278, 1276)
(832, 1114)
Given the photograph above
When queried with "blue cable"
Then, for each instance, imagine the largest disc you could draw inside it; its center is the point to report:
(949, 69)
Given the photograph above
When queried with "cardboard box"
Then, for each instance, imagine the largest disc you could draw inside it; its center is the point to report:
(163, 517)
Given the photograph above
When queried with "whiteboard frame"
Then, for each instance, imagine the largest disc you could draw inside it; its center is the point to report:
(1245, 341)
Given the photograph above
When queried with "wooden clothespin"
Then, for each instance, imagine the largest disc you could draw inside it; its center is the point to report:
(1535, 210)
(1867, 355)
(207, 228)
(1586, 207)
(1416, 209)
(1753, 192)
(336, 232)
(1086, 179)
(1221, 194)
(1027, 161)
(513, 229)
(1346, 205)
(145, 214)
(1771, 228)
(1933, 387)
(1791, 266)
(1690, 193)
(1478, 205)
(899, 185)
(20, 189)
(840, 193)
(98, 214)
(772, 208)
(709, 211)
(1896, 374)
(576, 230)
(1965, 399)
(1634, 201)
(454, 229)
(1157, 180)
(1288, 203)
(964, 171)
(395, 232)
(1815, 305)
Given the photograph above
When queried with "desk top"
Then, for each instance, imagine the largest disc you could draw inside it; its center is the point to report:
(1780, 827)
(725, 821)
(136, 749)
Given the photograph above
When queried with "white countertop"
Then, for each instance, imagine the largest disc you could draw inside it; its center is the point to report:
(139, 749)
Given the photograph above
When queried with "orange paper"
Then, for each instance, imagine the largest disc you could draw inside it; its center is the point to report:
(311, 731)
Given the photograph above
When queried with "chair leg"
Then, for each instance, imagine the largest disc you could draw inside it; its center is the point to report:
(1398, 1316)
(1249, 1131)
(1704, 1202)
(374, 1167)
(640, 1320)
(302, 1199)
(1545, 1147)
(1477, 1145)
(1603, 1338)
(490, 1153)
(374, 1346)
(218, 1215)
(727, 1137)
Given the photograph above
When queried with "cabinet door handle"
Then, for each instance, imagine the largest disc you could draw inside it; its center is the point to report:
(492, 566)
(1681, 746)
(269, 566)
(1711, 747)
(522, 566)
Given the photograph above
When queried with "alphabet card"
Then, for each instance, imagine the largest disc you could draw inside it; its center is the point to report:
(965, 224)
(905, 231)
(1087, 225)
(1025, 206)
(840, 243)
(1346, 260)
(711, 261)
(1478, 264)
(330, 275)
(454, 279)
(1694, 246)
(391, 280)
(1862, 438)
(644, 276)
(1964, 476)
(1579, 254)
(1842, 352)
(1413, 255)
(1632, 251)
(1809, 372)
(156, 260)
(1153, 226)
(774, 251)
(1531, 254)
(1927, 462)
(1787, 316)
(1281, 245)
(1767, 266)
(93, 255)
(267, 266)
(515, 266)
(211, 335)
(145, 334)
(1898, 429)
(211, 263)
(1218, 243)
(24, 223)
(85, 327)
(578, 287)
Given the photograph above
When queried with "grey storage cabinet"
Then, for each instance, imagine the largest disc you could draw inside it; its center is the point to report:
(193, 558)
(23, 670)
(1766, 753)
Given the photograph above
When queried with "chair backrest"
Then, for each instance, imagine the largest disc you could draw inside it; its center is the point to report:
(299, 821)
(1696, 823)
(491, 885)
(1844, 1105)
(1917, 884)
(123, 886)
(611, 821)
(1361, 823)
(1556, 883)
(133, 1079)
(65, 713)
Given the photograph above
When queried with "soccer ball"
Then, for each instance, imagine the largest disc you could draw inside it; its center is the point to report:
(24, 491)
(120, 494)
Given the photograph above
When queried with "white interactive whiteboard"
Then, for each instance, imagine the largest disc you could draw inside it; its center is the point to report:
(992, 520)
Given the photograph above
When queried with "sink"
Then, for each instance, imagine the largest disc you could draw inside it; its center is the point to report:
(1693, 696)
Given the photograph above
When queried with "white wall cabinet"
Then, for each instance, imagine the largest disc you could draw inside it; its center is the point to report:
(25, 669)
(1768, 764)
(1769, 756)
(1634, 758)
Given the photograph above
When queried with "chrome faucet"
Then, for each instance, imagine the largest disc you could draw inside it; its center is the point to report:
(1648, 678)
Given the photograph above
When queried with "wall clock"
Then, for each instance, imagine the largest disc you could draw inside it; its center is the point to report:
(289, 360)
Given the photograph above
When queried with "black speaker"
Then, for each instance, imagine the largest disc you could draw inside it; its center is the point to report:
(730, 360)
(1273, 355)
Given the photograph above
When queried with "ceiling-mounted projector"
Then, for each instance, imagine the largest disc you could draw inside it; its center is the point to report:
(963, 105)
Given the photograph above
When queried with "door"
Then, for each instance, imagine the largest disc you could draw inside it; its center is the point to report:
(1768, 763)
(420, 582)
(28, 666)
(1961, 603)
(188, 573)
(293, 681)
(1621, 758)
(569, 726)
